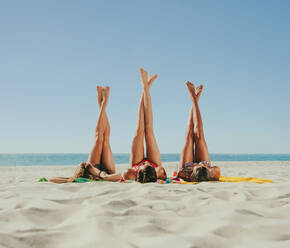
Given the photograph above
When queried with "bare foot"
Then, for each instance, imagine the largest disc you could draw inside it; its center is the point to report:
(106, 93)
(191, 89)
(152, 79)
(144, 78)
(100, 94)
(198, 91)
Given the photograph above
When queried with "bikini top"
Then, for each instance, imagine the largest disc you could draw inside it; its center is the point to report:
(137, 166)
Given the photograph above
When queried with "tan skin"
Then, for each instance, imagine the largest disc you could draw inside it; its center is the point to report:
(195, 147)
(144, 129)
(101, 152)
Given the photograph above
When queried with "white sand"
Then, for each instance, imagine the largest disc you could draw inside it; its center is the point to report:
(88, 215)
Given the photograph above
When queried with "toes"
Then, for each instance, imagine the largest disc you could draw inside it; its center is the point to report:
(99, 93)
(198, 90)
(191, 89)
(144, 76)
(99, 88)
(107, 90)
(103, 93)
(190, 86)
(152, 79)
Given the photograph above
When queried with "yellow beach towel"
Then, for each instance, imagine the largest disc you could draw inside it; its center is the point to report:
(244, 179)
(222, 179)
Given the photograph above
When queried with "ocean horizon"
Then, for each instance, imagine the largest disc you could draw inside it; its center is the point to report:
(46, 159)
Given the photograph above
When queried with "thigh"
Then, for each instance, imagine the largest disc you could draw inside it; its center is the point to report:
(152, 149)
(187, 154)
(201, 152)
(107, 160)
(96, 152)
(137, 150)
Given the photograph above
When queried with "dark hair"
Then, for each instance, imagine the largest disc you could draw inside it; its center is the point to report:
(146, 174)
(202, 174)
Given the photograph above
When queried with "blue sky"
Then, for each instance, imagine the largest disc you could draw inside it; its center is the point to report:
(54, 53)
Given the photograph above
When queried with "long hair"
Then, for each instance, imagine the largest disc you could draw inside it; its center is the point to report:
(146, 174)
(202, 174)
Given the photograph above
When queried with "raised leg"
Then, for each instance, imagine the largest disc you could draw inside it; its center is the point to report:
(137, 150)
(201, 150)
(152, 149)
(96, 152)
(107, 158)
(187, 154)
(100, 92)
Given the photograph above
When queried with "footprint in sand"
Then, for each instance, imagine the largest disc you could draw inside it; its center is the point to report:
(119, 205)
(151, 230)
(229, 231)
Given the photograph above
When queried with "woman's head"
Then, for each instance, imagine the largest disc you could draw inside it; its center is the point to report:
(146, 174)
(200, 174)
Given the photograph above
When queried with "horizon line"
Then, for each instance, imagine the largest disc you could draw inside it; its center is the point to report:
(121, 153)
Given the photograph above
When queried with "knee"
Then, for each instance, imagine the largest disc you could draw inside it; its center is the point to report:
(189, 135)
(196, 136)
(139, 132)
(106, 142)
(99, 137)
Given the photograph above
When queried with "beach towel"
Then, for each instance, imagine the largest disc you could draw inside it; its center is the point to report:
(180, 181)
(244, 179)
(222, 179)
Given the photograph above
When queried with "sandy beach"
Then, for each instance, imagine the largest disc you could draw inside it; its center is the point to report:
(104, 214)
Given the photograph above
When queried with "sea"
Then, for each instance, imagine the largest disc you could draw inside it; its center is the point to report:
(38, 159)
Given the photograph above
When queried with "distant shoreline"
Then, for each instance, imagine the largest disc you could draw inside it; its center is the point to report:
(66, 159)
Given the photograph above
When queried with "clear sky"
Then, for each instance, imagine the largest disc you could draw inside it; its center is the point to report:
(54, 53)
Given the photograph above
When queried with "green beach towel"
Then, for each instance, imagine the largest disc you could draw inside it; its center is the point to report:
(86, 180)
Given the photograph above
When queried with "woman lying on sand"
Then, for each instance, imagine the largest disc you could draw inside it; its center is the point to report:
(143, 169)
(195, 162)
(100, 165)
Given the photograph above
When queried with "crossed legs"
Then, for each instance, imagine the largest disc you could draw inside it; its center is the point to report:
(101, 152)
(107, 158)
(95, 156)
(195, 147)
(144, 127)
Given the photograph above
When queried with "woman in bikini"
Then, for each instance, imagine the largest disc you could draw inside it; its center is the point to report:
(100, 164)
(195, 163)
(145, 169)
